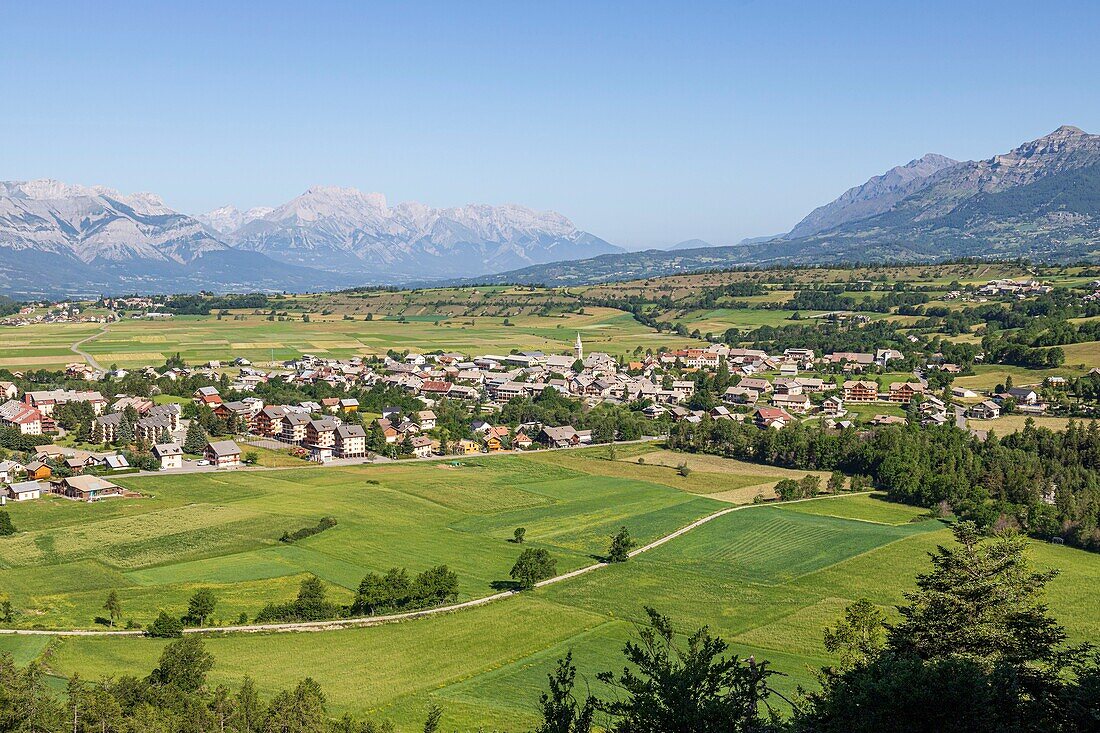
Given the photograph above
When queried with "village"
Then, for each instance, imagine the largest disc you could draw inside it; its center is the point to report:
(124, 433)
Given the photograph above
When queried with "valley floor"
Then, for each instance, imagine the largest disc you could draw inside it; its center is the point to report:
(768, 579)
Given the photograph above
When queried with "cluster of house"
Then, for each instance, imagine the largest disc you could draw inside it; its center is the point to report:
(155, 423)
(771, 391)
(19, 482)
(1017, 288)
(595, 377)
(789, 396)
(34, 414)
(60, 312)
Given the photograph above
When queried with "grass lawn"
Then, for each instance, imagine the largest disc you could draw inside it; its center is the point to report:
(1084, 355)
(865, 412)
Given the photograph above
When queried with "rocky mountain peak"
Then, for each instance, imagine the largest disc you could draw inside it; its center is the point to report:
(875, 196)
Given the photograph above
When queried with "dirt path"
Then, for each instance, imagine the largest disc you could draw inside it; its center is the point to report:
(348, 623)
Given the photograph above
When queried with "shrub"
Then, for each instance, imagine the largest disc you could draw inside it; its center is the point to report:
(165, 627)
(301, 534)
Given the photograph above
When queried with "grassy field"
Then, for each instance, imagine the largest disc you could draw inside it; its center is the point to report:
(986, 377)
(1013, 423)
(199, 339)
(222, 530)
(767, 578)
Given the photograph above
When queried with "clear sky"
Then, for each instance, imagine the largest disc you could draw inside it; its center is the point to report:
(644, 123)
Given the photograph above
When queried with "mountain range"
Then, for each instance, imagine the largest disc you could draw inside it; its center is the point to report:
(1040, 200)
(347, 231)
(58, 239)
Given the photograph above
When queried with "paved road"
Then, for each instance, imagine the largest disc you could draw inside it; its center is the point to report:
(75, 348)
(348, 623)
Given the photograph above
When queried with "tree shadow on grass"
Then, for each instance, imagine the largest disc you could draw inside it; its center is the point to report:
(503, 585)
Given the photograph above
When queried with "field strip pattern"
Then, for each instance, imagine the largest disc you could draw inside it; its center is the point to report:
(335, 624)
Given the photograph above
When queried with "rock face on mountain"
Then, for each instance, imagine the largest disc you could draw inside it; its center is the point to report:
(97, 224)
(1040, 200)
(877, 195)
(346, 230)
(60, 239)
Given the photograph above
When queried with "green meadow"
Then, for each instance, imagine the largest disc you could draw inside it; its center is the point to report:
(767, 578)
(222, 531)
(198, 339)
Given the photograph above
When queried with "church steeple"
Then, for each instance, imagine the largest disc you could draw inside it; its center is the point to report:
(578, 348)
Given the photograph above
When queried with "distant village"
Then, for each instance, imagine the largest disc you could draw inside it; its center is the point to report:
(769, 391)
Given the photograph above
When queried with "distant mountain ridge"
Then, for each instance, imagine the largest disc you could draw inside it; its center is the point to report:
(1040, 200)
(346, 230)
(875, 196)
(63, 239)
(229, 218)
(691, 244)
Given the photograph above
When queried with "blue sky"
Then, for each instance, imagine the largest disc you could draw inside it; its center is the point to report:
(644, 123)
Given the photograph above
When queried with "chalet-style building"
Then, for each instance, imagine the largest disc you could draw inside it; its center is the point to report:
(426, 419)
(772, 417)
(756, 384)
(89, 488)
(269, 421)
(170, 455)
(796, 403)
(295, 427)
(21, 416)
(422, 446)
(559, 437)
(222, 454)
(858, 390)
(21, 491)
(984, 410)
(833, 406)
(321, 433)
(38, 471)
(904, 392)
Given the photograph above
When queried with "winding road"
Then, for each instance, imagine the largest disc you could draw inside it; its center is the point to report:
(348, 623)
(75, 348)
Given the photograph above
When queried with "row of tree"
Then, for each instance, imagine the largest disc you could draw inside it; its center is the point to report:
(1044, 482)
